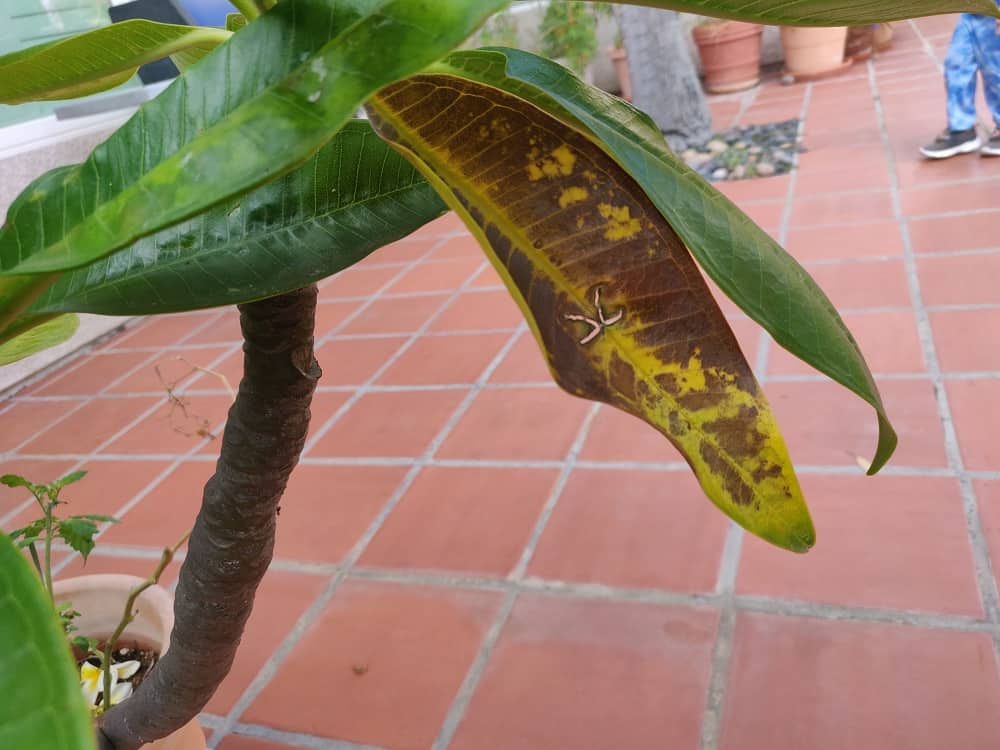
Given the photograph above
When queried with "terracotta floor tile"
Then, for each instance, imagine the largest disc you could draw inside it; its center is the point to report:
(964, 339)
(590, 674)
(828, 154)
(635, 529)
(859, 685)
(478, 311)
(326, 509)
(935, 200)
(967, 232)
(281, 599)
(462, 246)
(389, 424)
(176, 427)
(748, 336)
(92, 373)
(871, 175)
(25, 419)
(224, 375)
(358, 282)
(174, 369)
(832, 209)
(914, 170)
(39, 472)
(524, 363)
(848, 241)
(765, 115)
(324, 405)
(412, 647)
(528, 423)
(825, 424)
(888, 341)
(86, 428)
(488, 277)
(329, 315)
(164, 330)
(444, 225)
(225, 330)
(395, 315)
(768, 188)
(927, 567)
(354, 361)
(242, 742)
(107, 486)
(408, 249)
(960, 279)
(443, 360)
(853, 286)
(970, 400)
(618, 436)
(436, 276)
(469, 520)
(765, 213)
(163, 515)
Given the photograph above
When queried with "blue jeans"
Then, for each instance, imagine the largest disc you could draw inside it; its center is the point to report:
(975, 46)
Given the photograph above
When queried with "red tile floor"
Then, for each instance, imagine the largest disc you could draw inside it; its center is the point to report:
(468, 558)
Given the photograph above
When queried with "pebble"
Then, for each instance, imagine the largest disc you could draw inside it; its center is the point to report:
(765, 169)
(755, 150)
(716, 146)
(720, 174)
(739, 172)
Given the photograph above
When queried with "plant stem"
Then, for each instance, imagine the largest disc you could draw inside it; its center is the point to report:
(233, 537)
(128, 614)
(48, 550)
(247, 7)
(34, 558)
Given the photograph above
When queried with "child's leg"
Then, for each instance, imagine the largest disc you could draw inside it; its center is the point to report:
(960, 68)
(987, 49)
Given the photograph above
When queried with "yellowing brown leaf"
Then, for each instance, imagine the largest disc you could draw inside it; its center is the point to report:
(611, 293)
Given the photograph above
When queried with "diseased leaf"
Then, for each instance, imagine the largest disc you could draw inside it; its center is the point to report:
(822, 12)
(354, 196)
(611, 293)
(251, 111)
(48, 333)
(42, 705)
(747, 264)
(97, 60)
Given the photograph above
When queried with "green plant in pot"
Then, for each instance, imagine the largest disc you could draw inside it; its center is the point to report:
(247, 181)
(569, 32)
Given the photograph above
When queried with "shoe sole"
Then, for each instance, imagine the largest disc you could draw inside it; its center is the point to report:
(962, 148)
(988, 150)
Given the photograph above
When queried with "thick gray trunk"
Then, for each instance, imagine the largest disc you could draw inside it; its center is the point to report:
(665, 83)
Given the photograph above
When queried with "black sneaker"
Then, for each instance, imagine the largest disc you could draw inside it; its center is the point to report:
(952, 143)
(992, 146)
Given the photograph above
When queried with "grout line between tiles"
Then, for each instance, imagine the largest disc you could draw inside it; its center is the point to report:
(291, 640)
(460, 703)
(715, 701)
(985, 576)
(294, 739)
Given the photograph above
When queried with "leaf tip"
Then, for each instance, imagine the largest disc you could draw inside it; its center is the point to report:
(887, 441)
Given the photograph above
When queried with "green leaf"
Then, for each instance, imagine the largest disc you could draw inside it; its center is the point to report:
(823, 12)
(354, 196)
(96, 60)
(50, 332)
(249, 112)
(235, 21)
(747, 264)
(71, 478)
(16, 480)
(97, 517)
(28, 534)
(611, 293)
(78, 533)
(42, 706)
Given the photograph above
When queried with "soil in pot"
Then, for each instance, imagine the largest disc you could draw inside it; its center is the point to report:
(730, 55)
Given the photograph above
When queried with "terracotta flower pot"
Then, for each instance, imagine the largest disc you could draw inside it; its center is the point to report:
(813, 52)
(100, 600)
(883, 36)
(730, 55)
(619, 59)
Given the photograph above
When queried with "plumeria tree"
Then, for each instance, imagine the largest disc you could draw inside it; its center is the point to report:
(248, 180)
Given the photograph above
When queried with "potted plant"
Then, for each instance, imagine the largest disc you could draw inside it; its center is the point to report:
(246, 182)
(730, 54)
(118, 626)
(568, 33)
(813, 52)
(619, 60)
